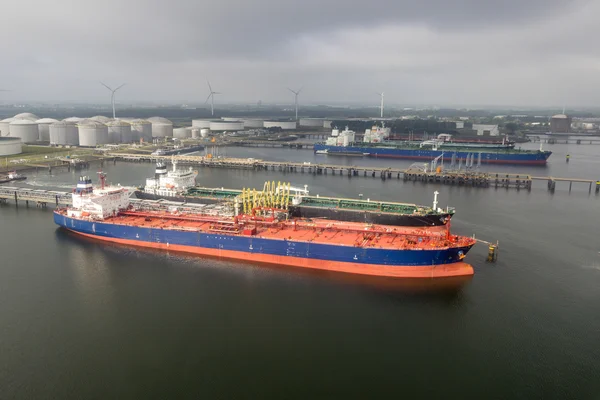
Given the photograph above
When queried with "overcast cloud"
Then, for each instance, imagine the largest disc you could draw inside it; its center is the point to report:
(515, 52)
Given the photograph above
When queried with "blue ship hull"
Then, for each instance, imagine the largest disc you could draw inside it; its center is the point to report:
(419, 262)
(487, 157)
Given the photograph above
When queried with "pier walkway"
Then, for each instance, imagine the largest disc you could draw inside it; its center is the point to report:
(465, 177)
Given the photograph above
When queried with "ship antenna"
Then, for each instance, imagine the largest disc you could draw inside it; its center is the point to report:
(435, 200)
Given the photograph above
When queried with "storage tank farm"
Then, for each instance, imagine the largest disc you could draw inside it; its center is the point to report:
(182, 133)
(141, 129)
(64, 133)
(119, 131)
(92, 133)
(25, 129)
(74, 119)
(161, 127)
(9, 146)
(5, 126)
(44, 128)
(254, 123)
(311, 122)
(220, 126)
(202, 123)
(26, 115)
(285, 125)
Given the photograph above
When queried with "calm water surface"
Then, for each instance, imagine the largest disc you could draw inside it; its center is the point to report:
(84, 319)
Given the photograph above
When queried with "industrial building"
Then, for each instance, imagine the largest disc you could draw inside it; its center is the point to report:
(25, 129)
(220, 126)
(92, 133)
(486, 130)
(161, 127)
(119, 131)
(64, 133)
(560, 123)
(10, 146)
(285, 125)
(44, 128)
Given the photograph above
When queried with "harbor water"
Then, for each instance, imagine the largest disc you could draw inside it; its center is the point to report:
(85, 319)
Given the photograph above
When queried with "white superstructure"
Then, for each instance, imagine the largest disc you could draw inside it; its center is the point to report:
(343, 138)
(170, 183)
(97, 204)
(376, 134)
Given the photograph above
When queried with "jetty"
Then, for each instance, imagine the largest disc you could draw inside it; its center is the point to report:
(419, 172)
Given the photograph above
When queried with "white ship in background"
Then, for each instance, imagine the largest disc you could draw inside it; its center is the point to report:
(170, 183)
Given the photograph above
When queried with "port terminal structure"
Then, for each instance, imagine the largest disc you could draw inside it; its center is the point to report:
(459, 174)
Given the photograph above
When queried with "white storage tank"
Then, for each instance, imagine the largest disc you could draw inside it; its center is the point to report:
(101, 118)
(5, 126)
(204, 132)
(119, 131)
(29, 116)
(312, 122)
(64, 133)
(327, 124)
(201, 123)
(92, 133)
(141, 129)
(10, 146)
(44, 128)
(219, 126)
(286, 125)
(195, 133)
(25, 129)
(74, 119)
(254, 123)
(181, 133)
(161, 127)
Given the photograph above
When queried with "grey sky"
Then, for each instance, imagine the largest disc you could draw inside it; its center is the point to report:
(520, 52)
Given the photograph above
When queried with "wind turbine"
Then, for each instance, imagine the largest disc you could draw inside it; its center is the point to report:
(112, 95)
(381, 106)
(296, 93)
(211, 96)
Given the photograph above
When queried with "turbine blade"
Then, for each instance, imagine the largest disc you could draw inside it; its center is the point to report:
(106, 86)
(209, 87)
(120, 87)
(4, 90)
(217, 93)
(208, 98)
(299, 90)
(291, 90)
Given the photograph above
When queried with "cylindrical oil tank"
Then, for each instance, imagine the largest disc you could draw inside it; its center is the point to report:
(254, 123)
(10, 146)
(64, 133)
(29, 116)
(5, 126)
(141, 129)
(92, 133)
(219, 126)
(181, 133)
(119, 131)
(201, 123)
(327, 124)
(286, 125)
(44, 128)
(312, 122)
(74, 119)
(204, 132)
(230, 119)
(25, 129)
(161, 127)
(101, 118)
(195, 133)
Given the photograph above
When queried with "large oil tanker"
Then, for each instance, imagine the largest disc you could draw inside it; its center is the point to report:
(258, 228)
(180, 185)
(376, 146)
